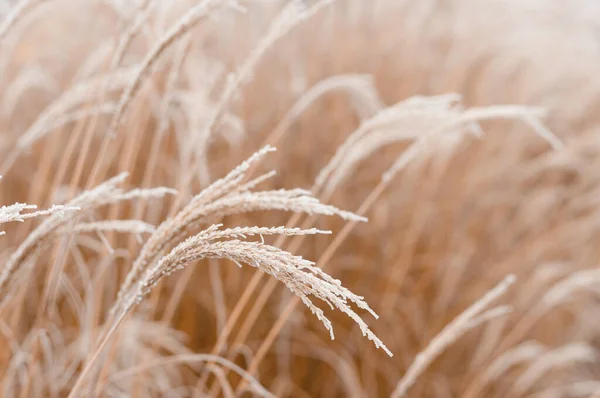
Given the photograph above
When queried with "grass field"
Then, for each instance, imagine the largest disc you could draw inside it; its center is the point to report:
(300, 198)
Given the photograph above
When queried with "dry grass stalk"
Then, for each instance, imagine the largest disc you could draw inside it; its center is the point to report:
(225, 197)
(466, 321)
(106, 193)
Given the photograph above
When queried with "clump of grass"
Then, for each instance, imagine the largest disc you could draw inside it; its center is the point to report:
(227, 196)
(416, 115)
